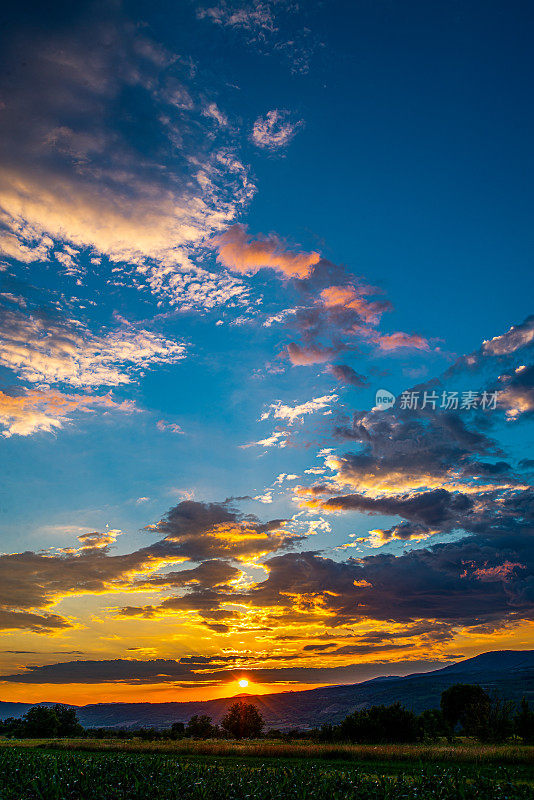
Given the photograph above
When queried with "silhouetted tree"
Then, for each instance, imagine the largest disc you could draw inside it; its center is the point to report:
(40, 722)
(43, 722)
(68, 724)
(177, 730)
(500, 725)
(432, 725)
(468, 705)
(243, 721)
(380, 724)
(200, 726)
(524, 722)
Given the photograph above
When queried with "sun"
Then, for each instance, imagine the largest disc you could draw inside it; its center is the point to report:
(243, 683)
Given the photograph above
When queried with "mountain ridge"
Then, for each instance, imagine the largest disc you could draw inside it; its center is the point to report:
(506, 673)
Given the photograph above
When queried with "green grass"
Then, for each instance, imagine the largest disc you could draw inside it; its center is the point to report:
(466, 752)
(30, 773)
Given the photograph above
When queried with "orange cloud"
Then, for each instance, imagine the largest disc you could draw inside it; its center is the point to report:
(304, 356)
(47, 410)
(394, 341)
(240, 254)
(350, 297)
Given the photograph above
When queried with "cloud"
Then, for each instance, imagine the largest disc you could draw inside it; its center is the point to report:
(341, 314)
(349, 296)
(410, 450)
(37, 623)
(437, 508)
(214, 112)
(204, 671)
(172, 427)
(78, 171)
(249, 16)
(345, 374)
(48, 410)
(209, 574)
(42, 347)
(276, 439)
(275, 130)
(30, 581)
(280, 410)
(442, 583)
(400, 340)
(312, 354)
(516, 338)
(202, 531)
(239, 253)
(270, 27)
(517, 396)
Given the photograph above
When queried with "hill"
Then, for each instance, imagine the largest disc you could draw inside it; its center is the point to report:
(508, 673)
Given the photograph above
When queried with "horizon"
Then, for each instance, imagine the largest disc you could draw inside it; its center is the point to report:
(285, 690)
(266, 337)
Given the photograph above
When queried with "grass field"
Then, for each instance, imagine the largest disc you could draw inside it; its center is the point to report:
(263, 770)
(468, 753)
(31, 773)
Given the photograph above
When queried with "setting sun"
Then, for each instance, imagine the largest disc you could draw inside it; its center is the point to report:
(243, 683)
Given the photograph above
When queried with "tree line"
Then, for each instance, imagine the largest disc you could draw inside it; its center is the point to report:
(465, 710)
(243, 720)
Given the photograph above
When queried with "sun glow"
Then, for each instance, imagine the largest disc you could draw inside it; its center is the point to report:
(243, 683)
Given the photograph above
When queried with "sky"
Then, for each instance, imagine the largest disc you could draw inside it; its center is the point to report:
(266, 382)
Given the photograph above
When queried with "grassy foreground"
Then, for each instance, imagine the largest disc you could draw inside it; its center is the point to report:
(34, 774)
(466, 753)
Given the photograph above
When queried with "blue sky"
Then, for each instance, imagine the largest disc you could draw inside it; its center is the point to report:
(223, 228)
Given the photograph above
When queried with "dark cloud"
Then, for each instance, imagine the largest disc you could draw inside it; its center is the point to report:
(438, 508)
(25, 620)
(32, 580)
(345, 374)
(208, 533)
(202, 531)
(208, 574)
(517, 394)
(468, 582)
(182, 672)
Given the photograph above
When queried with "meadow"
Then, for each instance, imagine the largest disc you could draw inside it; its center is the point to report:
(134, 770)
(461, 752)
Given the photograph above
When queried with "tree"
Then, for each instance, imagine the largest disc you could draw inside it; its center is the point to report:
(200, 727)
(468, 705)
(243, 721)
(524, 722)
(177, 730)
(432, 726)
(500, 721)
(380, 724)
(43, 722)
(68, 724)
(40, 722)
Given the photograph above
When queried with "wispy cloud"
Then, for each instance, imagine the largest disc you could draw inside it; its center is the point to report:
(283, 411)
(70, 179)
(35, 411)
(275, 130)
(51, 349)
